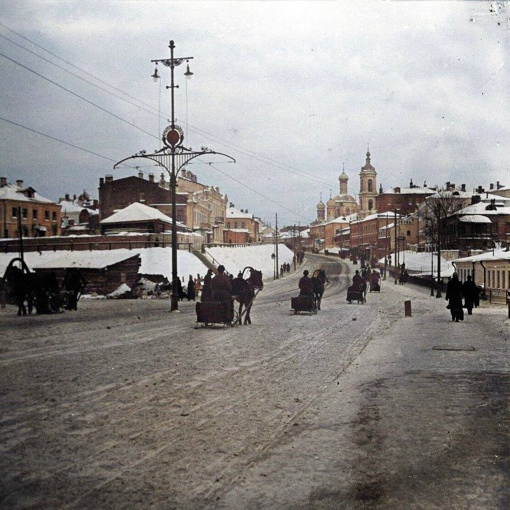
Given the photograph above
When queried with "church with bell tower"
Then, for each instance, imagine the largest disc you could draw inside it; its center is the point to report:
(367, 189)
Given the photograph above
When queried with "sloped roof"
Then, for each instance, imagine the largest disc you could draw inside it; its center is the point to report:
(12, 192)
(475, 218)
(87, 259)
(136, 212)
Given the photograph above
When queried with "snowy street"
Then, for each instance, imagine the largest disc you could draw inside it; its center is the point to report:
(123, 404)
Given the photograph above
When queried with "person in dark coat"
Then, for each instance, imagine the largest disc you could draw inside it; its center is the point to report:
(206, 287)
(74, 283)
(471, 294)
(190, 293)
(222, 290)
(305, 285)
(454, 298)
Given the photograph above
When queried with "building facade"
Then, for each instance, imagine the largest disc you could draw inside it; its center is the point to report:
(22, 206)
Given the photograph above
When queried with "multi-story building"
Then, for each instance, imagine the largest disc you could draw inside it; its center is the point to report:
(201, 208)
(404, 200)
(241, 226)
(22, 206)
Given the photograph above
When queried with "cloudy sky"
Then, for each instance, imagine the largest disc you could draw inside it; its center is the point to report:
(294, 91)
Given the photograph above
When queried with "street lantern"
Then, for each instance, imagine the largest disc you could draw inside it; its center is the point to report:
(173, 157)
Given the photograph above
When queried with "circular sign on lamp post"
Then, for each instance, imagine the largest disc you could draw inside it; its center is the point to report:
(173, 136)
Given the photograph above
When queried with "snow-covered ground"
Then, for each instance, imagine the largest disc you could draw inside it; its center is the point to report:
(159, 260)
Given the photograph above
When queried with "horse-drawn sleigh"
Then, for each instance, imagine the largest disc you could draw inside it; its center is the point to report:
(244, 291)
(311, 303)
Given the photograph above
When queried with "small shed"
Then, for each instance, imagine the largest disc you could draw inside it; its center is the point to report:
(104, 271)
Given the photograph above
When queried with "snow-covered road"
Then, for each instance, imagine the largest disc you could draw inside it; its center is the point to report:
(126, 405)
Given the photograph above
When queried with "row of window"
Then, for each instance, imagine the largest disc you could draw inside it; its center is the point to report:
(496, 278)
(235, 223)
(24, 214)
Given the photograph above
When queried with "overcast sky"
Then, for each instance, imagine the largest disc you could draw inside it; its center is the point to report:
(293, 91)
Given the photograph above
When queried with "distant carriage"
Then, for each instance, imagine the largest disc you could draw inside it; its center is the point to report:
(244, 291)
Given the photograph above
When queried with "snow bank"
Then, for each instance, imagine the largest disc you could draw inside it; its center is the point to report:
(259, 257)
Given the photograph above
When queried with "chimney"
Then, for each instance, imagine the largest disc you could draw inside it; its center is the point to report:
(475, 199)
(491, 187)
(479, 189)
(66, 197)
(3, 181)
(151, 177)
(19, 183)
(498, 185)
(448, 186)
(463, 187)
(109, 178)
(140, 174)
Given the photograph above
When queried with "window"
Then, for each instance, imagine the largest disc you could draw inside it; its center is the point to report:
(34, 214)
(242, 225)
(14, 212)
(370, 186)
(47, 215)
(53, 216)
(24, 214)
(370, 205)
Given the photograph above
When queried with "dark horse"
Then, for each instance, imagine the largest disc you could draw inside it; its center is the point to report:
(319, 280)
(20, 283)
(245, 291)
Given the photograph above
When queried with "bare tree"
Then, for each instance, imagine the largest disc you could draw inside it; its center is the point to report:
(438, 207)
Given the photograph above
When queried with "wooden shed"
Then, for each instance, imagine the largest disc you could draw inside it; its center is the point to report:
(104, 271)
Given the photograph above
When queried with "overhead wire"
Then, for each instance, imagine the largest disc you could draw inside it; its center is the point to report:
(153, 111)
(236, 147)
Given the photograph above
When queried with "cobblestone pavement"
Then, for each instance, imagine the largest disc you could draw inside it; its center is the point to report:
(123, 404)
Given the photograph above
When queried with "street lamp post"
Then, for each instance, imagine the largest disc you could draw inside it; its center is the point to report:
(172, 157)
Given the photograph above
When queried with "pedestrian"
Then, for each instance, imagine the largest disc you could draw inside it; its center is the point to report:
(222, 291)
(74, 284)
(190, 293)
(454, 298)
(198, 285)
(471, 294)
(305, 285)
(3, 292)
(206, 287)
(180, 291)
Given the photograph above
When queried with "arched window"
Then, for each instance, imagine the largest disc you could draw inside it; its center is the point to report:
(370, 186)
(370, 205)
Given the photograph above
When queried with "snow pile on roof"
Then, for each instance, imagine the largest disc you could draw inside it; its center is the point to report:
(136, 212)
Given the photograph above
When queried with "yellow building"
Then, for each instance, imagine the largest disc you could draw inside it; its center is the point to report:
(23, 206)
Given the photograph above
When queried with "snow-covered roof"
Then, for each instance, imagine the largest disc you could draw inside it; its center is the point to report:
(232, 212)
(415, 190)
(488, 255)
(474, 218)
(12, 192)
(483, 208)
(69, 206)
(137, 212)
(86, 259)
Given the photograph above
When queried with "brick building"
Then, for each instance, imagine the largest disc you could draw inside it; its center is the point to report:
(22, 205)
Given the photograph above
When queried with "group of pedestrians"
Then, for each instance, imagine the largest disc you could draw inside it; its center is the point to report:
(456, 291)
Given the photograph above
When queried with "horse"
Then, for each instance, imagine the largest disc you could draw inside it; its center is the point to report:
(319, 280)
(21, 284)
(245, 290)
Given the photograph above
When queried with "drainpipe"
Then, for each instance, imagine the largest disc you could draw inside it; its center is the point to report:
(484, 295)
